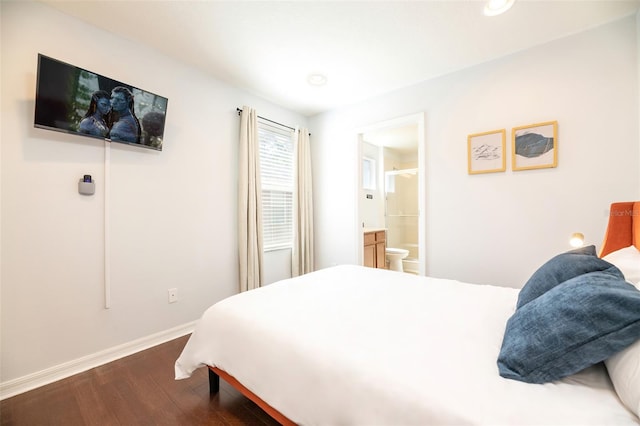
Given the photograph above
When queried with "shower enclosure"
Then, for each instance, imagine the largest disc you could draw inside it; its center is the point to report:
(402, 213)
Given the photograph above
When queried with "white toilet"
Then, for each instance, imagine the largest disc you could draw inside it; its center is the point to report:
(395, 256)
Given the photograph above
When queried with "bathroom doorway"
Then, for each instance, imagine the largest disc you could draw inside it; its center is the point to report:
(391, 187)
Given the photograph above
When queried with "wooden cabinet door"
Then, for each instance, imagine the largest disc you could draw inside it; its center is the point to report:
(370, 256)
(381, 258)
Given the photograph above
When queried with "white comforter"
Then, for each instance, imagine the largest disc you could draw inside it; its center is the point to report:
(350, 345)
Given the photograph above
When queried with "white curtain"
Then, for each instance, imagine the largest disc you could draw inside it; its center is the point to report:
(302, 253)
(249, 203)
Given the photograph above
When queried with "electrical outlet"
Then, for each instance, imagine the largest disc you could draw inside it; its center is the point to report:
(173, 295)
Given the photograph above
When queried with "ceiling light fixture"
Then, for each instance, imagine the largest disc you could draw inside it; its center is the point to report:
(497, 7)
(317, 79)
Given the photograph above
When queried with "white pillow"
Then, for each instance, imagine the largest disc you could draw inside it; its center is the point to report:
(624, 367)
(628, 261)
(624, 370)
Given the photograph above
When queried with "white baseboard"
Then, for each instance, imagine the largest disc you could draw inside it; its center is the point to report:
(57, 372)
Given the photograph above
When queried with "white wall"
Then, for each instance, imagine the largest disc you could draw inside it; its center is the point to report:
(372, 209)
(497, 228)
(173, 213)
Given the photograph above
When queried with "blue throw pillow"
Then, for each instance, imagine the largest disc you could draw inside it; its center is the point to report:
(561, 268)
(576, 324)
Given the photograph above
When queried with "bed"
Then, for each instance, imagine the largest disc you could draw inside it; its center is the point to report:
(350, 345)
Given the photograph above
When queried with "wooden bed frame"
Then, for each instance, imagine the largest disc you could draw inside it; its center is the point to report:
(214, 388)
(623, 230)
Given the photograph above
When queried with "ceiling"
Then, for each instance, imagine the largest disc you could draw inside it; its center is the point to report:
(364, 48)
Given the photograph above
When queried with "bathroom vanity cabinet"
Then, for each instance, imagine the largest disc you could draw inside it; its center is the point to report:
(374, 249)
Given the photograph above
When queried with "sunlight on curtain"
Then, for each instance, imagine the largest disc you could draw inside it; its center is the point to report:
(302, 253)
(249, 203)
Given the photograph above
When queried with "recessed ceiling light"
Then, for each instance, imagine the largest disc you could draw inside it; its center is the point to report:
(496, 7)
(317, 79)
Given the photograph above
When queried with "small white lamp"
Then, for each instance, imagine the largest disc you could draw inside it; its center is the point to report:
(577, 240)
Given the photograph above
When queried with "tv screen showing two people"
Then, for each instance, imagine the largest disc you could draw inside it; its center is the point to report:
(74, 100)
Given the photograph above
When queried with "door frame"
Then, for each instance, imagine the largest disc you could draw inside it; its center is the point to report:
(419, 120)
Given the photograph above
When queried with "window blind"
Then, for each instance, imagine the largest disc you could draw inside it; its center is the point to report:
(276, 173)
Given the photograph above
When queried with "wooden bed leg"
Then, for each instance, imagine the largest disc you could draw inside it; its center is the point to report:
(214, 382)
(215, 374)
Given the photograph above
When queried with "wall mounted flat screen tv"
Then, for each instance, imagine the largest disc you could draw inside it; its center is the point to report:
(73, 100)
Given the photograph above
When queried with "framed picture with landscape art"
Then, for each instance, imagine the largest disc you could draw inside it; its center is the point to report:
(535, 146)
(486, 152)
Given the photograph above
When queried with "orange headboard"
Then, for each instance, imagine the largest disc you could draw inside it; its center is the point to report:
(623, 229)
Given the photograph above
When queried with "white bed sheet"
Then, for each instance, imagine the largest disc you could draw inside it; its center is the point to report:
(350, 345)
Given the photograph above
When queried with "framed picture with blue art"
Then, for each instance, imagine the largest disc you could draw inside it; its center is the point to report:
(486, 152)
(535, 146)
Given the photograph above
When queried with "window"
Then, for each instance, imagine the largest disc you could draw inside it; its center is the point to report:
(368, 174)
(276, 174)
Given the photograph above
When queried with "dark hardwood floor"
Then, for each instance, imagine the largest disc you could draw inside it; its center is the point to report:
(137, 390)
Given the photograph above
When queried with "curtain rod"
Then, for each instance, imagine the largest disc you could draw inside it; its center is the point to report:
(239, 110)
(266, 119)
